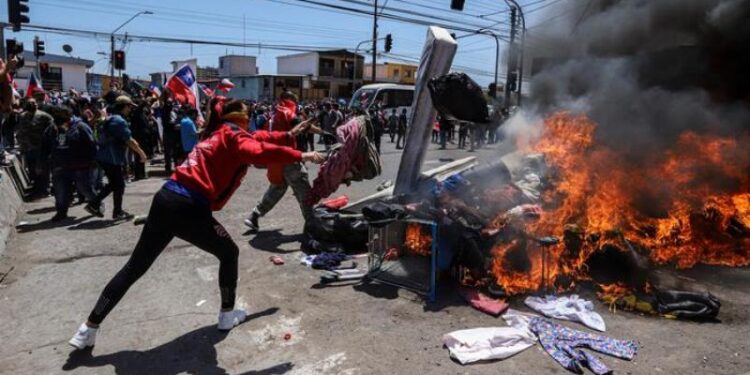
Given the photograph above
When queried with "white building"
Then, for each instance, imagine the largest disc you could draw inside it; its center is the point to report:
(330, 72)
(63, 73)
(237, 66)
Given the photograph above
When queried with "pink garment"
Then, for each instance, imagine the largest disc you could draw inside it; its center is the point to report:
(483, 303)
(333, 171)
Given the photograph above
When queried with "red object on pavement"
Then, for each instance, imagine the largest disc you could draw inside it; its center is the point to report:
(484, 303)
(287, 336)
(277, 260)
(336, 203)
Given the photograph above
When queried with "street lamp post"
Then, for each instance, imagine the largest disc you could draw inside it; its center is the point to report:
(112, 43)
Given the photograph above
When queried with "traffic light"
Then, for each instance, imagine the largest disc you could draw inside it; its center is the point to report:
(18, 13)
(43, 69)
(38, 47)
(457, 4)
(119, 60)
(512, 81)
(388, 43)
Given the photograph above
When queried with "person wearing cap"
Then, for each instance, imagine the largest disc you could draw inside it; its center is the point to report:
(114, 140)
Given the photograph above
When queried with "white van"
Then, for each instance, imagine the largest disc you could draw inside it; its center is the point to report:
(389, 95)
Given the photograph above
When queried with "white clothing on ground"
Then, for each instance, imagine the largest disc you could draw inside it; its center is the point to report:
(572, 308)
(480, 344)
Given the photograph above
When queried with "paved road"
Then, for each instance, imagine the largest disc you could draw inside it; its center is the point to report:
(166, 323)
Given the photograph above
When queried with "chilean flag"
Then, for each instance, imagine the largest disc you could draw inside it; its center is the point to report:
(184, 86)
(206, 90)
(225, 85)
(34, 86)
(154, 89)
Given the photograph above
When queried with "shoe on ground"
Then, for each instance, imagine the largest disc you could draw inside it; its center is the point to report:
(122, 215)
(252, 221)
(84, 338)
(96, 210)
(231, 319)
(58, 217)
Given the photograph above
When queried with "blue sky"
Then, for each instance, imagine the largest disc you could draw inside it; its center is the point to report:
(266, 21)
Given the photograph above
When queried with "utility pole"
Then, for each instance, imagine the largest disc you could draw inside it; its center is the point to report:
(374, 41)
(509, 80)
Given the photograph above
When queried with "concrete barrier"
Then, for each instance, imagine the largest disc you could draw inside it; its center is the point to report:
(10, 205)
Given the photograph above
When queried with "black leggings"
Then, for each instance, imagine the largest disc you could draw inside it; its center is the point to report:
(115, 185)
(173, 215)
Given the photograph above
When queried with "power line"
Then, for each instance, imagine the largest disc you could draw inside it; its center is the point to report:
(385, 15)
(159, 39)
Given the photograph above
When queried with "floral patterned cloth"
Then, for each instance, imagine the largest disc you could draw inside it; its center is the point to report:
(564, 344)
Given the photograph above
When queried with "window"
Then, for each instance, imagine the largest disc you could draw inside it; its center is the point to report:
(326, 67)
(243, 84)
(221, 63)
(396, 74)
(53, 79)
(407, 73)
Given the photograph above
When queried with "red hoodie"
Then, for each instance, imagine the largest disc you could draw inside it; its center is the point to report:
(283, 119)
(216, 166)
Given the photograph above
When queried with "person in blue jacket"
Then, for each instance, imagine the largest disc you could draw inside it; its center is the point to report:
(188, 130)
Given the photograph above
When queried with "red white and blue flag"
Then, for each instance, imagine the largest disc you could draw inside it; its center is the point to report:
(154, 89)
(225, 85)
(206, 90)
(184, 86)
(35, 85)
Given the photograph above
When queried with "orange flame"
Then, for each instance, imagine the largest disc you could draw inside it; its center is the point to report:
(416, 241)
(692, 205)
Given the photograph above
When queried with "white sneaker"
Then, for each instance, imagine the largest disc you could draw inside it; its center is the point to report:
(84, 338)
(230, 319)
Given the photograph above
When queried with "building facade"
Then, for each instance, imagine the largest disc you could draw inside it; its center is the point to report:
(62, 73)
(389, 72)
(237, 66)
(267, 87)
(330, 73)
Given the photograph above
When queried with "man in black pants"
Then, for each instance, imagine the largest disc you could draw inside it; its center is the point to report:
(114, 139)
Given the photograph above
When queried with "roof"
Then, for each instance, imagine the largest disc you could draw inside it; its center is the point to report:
(57, 59)
(323, 52)
(378, 86)
(246, 56)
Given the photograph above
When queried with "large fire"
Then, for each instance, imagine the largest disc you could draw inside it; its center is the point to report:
(690, 206)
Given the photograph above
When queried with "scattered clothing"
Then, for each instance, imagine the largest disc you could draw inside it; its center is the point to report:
(519, 320)
(328, 261)
(483, 303)
(277, 260)
(481, 344)
(531, 186)
(688, 305)
(571, 308)
(564, 344)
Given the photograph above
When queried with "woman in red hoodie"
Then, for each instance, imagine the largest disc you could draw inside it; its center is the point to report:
(183, 208)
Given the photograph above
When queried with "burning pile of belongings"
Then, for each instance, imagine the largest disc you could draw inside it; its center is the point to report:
(560, 214)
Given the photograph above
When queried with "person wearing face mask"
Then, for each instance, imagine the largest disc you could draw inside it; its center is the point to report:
(283, 176)
(183, 207)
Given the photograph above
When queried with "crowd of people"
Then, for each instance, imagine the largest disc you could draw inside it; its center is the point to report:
(70, 141)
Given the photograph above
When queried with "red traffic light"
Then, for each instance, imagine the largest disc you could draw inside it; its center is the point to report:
(119, 60)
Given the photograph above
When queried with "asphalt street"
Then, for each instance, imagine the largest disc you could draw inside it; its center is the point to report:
(166, 323)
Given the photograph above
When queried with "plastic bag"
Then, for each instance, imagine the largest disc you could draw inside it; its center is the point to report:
(458, 96)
